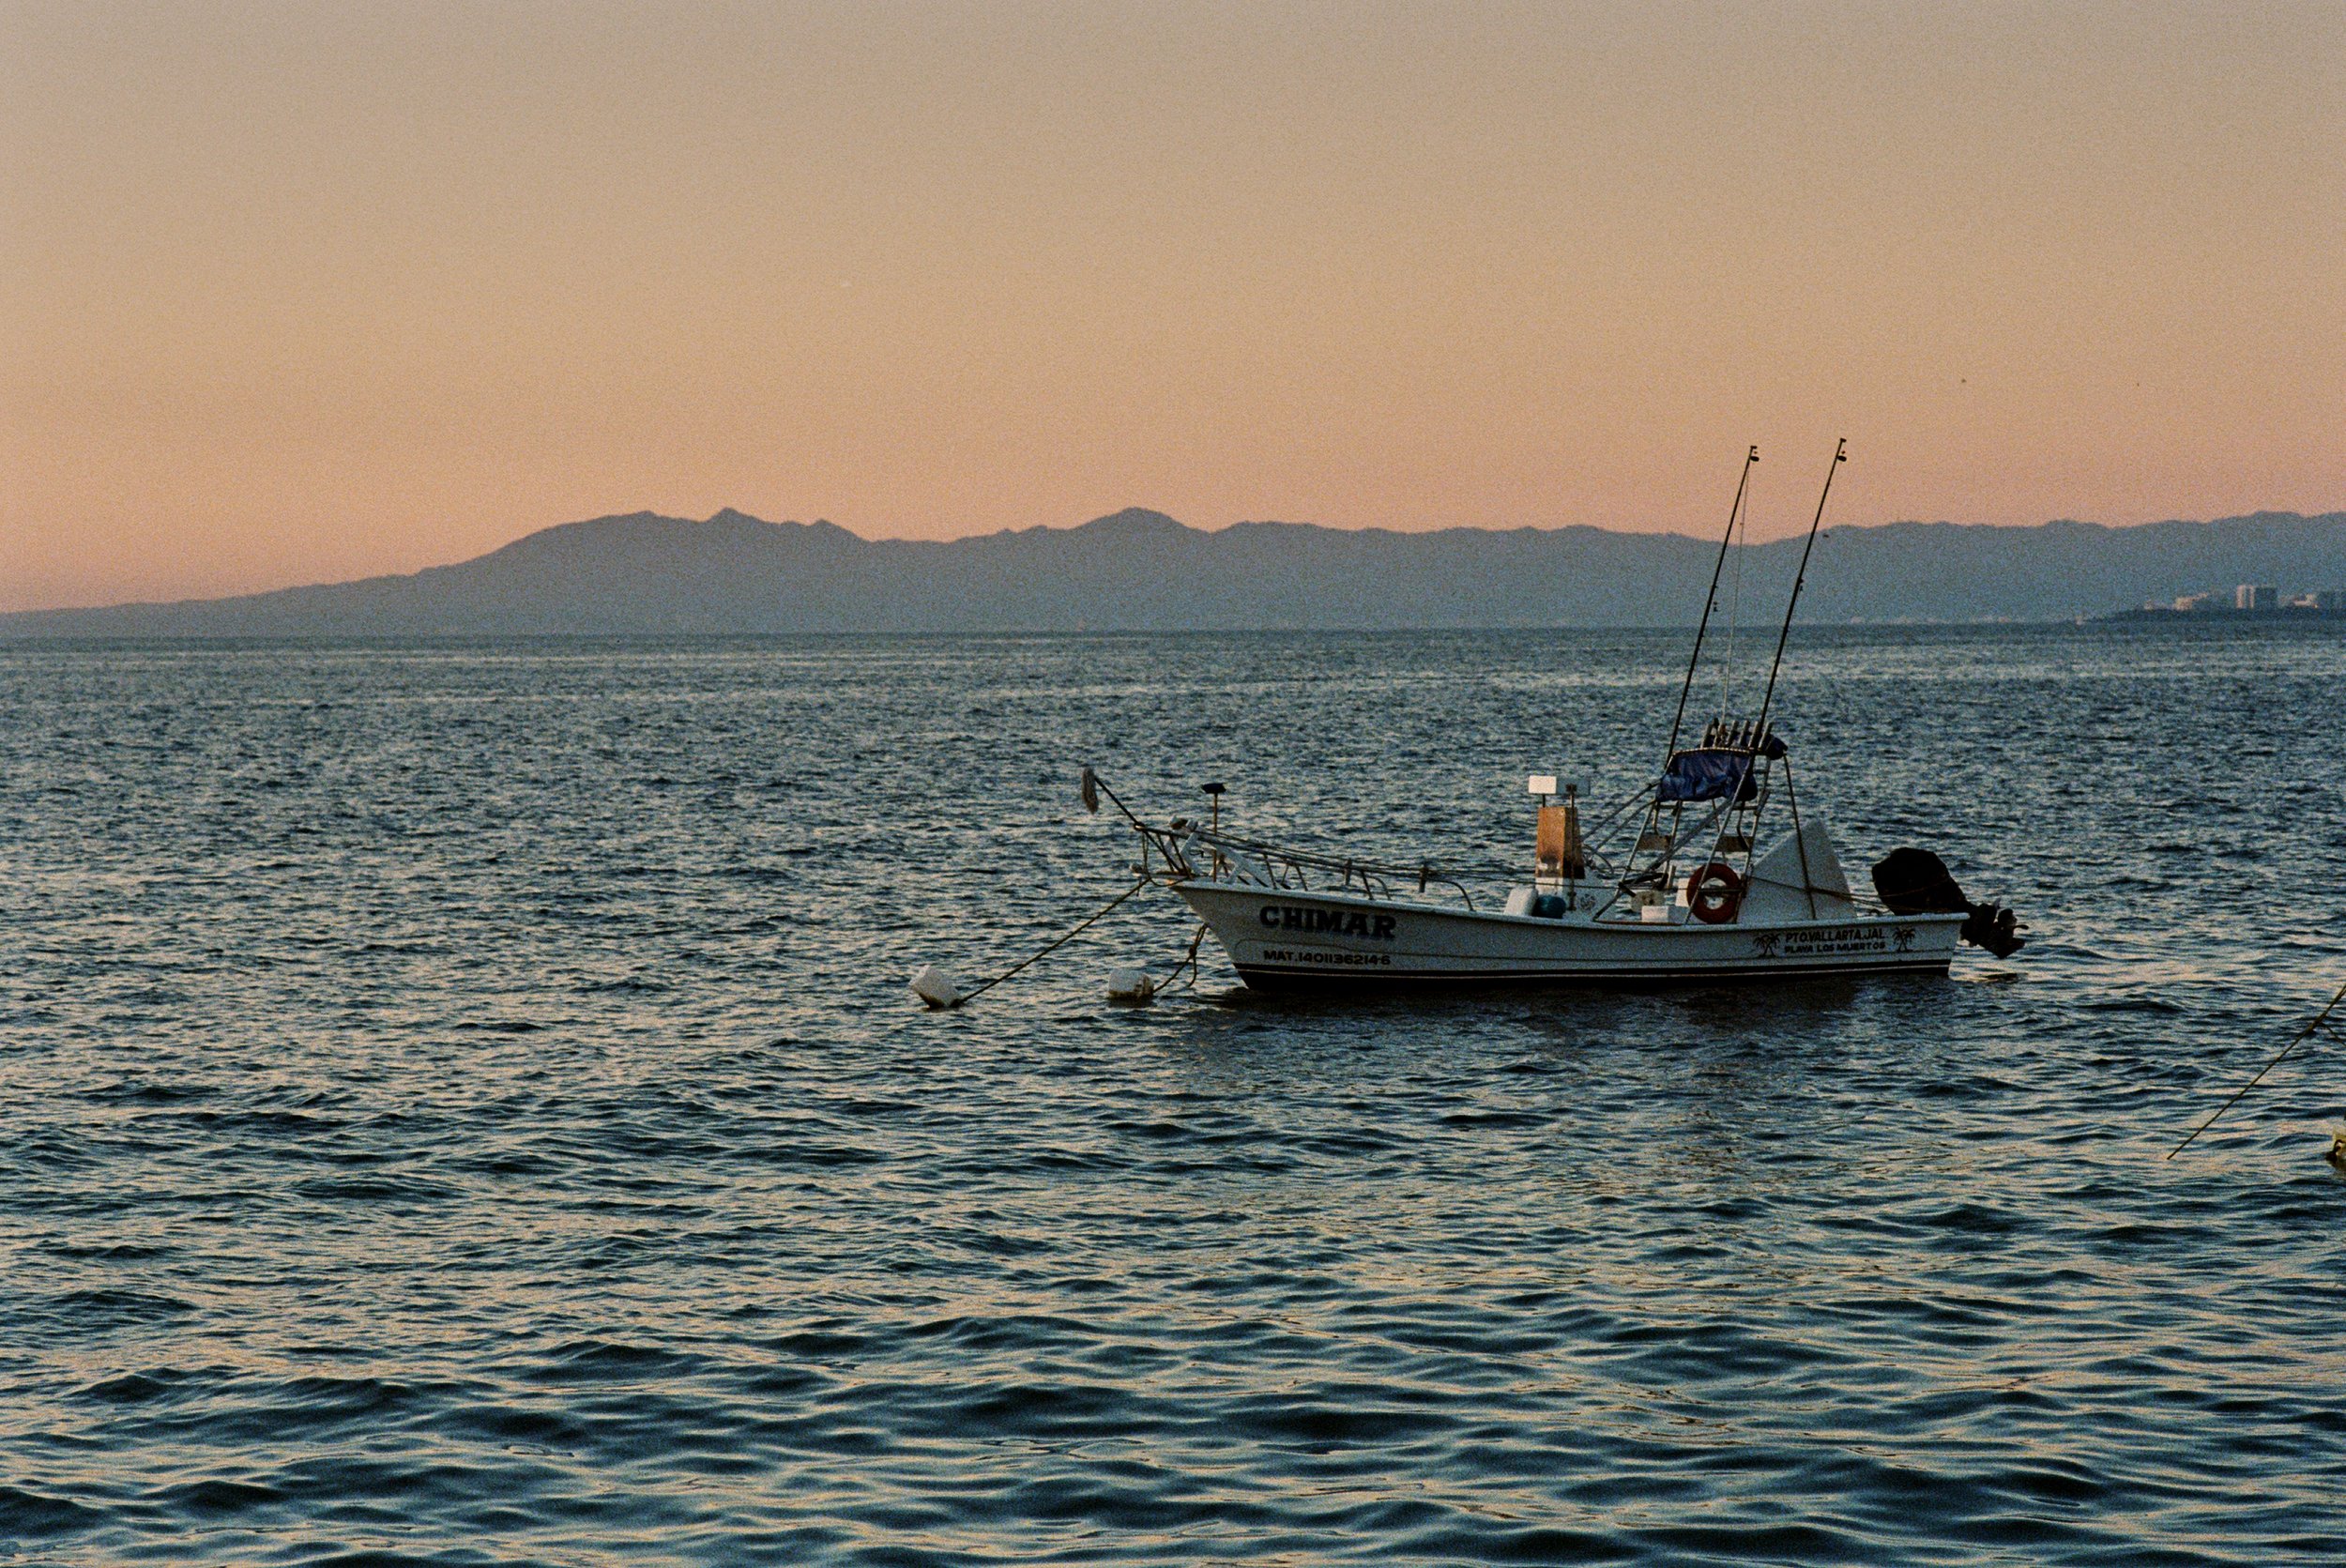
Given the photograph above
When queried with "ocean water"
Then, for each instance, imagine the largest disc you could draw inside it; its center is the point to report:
(463, 1107)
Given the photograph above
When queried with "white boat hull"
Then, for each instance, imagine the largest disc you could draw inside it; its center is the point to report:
(1281, 939)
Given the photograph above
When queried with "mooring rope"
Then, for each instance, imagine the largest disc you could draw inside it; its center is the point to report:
(1189, 962)
(987, 985)
(2321, 1021)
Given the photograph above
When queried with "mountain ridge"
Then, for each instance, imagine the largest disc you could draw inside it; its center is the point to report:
(1141, 570)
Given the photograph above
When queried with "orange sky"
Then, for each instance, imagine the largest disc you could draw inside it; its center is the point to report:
(303, 292)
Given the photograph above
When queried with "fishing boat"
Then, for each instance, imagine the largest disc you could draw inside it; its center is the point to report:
(1709, 871)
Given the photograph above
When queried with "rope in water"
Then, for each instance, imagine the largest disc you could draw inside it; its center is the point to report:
(1054, 946)
(1188, 962)
(2321, 1021)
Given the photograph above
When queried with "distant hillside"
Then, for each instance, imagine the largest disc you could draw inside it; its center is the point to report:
(1142, 571)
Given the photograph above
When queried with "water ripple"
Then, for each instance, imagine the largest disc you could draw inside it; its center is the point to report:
(464, 1108)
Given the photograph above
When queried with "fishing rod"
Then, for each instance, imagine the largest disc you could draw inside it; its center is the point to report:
(1710, 605)
(1840, 456)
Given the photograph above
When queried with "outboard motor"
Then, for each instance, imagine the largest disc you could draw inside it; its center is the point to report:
(1917, 882)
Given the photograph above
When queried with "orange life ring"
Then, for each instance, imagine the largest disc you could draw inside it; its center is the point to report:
(1714, 893)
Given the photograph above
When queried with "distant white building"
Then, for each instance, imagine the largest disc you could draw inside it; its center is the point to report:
(2192, 602)
(2256, 596)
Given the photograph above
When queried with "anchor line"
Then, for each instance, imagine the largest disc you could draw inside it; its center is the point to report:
(1087, 923)
(1188, 962)
(2320, 1023)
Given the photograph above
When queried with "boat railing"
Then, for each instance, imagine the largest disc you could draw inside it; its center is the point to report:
(1188, 851)
(1723, 829)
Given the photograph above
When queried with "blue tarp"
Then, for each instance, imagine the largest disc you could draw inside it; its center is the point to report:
(1707, 773)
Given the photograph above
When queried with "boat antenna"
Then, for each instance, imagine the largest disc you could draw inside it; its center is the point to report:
(1710, 604)
(1840, 456)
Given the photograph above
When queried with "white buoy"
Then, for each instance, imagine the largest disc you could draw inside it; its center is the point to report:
(937, 988)
(1132, 987)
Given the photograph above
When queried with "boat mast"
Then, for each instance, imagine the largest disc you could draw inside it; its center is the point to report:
(1840, 456)
(1709, 604)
